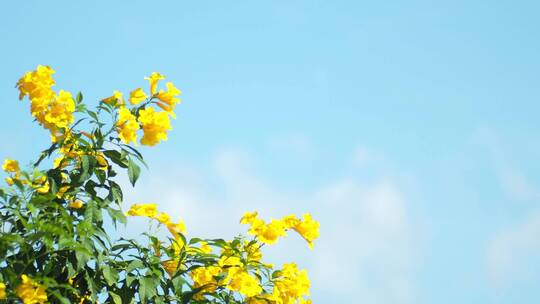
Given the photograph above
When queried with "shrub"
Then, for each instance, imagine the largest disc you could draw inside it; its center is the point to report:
(54, 243)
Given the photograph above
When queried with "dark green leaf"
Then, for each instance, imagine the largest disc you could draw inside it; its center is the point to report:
(133, 171)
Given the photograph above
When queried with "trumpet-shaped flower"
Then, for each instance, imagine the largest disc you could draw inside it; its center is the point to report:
(168, 100)
(155, 126)
(2, 291)
(30, 292)
(127, 126)
(308, 229)
(148, 210)
(116, 96)
(136, 96)
(11, 166)
(153, 79)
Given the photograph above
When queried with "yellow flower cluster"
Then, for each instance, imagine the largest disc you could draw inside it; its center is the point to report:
(269, 233)
(30, 292)
(39, 182)
(150, 210)
(230, 273)
(155, 126)
(71, 153)
(238, 266)
(2, 291)
(153, 123)
(290, 286)
(11, 166)
(53, 111)
(127, 125)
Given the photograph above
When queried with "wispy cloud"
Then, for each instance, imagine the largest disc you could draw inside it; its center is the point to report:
(296, 144)
(511, 250)
(366, 250)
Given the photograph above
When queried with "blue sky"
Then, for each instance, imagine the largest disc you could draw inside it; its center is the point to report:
(410, 129)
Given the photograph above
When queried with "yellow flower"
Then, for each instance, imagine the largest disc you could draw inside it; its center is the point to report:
(171, 266)
(2, 291)
(41, 184)
(155, 126)
(205, 276)
(176, 229)
(11, 166)
(50, 110)
(292, 284)
(76, 204)
(31, 292)
(253, 251)
(36, 83)
(153, 79)
(245, 284)
(59, 113)
(163, 218)
(116, 96)
(127, 126)
(169, 99)
(205, 248)
(136, 96)
(148, 210)
(248, 217)
(267, 233)
(102, 161)
(177, 246)
(290, 221)
(308, 229)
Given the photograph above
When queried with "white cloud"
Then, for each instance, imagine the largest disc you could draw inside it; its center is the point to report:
(365, 252)
(513, 181)
(297, 144)
(516, 185)
(510, 251)
(361, 156)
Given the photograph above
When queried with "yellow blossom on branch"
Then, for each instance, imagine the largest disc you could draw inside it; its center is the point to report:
(31, 292)
(308, 229)
(76, 204)
(127, 126)
(2, 291)
(36, 84)
(269, 233)
(148, 210)
(168, 100)
(245, 284)
(136, 96)
(117, 96)
(153, 79)
(155, 126)
(11, 166)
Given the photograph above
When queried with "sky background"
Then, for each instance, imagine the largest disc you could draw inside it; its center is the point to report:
(409, 129)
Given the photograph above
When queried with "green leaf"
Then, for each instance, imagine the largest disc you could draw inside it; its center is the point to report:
(116, 298)
(135, 264)
(117, 215)
(110, 275)
(116, 157)
(85, 168)
(147, 288)
(116, 192)
(133, 171)
(79, 97)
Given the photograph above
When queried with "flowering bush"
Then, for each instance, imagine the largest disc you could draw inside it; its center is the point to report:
(54, 246)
